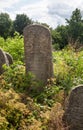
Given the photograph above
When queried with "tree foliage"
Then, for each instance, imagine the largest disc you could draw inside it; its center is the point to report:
(14, 46)
(20, 22)
(70, 33)
(5, 25)
(75, 26)
(8, 26)
(59, 36)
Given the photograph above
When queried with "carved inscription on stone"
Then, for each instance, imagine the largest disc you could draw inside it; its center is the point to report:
(38, 53)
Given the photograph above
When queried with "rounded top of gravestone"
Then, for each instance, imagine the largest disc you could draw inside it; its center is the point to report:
(73, 115)
(78, 89)
(36, 26)
(37, 29)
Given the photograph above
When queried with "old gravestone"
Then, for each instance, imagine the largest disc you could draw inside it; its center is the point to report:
(3, 60)
(38, 53)
(9, 57)
(73, 115)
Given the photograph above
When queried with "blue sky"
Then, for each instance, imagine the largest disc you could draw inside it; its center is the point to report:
(52, 12)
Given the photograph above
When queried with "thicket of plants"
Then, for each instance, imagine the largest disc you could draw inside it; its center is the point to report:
(22, 106)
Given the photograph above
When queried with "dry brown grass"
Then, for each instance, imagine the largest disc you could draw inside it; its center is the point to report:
(55, 122)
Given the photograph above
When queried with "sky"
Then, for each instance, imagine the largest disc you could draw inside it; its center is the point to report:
(52, 12)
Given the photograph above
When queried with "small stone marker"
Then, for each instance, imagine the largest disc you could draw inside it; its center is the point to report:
(73, 115)
(38, 53)
(3, 60)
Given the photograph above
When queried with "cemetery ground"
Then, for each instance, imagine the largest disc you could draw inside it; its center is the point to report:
(22, 105)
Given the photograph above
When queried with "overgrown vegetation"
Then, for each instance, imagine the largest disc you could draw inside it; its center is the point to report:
(22, 105)
(14, 46)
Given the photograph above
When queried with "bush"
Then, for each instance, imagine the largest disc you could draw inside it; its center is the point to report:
(14, 46)
(68, 68)
(15, 77)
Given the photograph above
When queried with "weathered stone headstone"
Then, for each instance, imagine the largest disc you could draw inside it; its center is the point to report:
(9, 57)
(3, 60)
(73, 115)
(38, 53)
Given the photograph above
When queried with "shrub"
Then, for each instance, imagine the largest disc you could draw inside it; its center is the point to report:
(68, 68)
(14, 46)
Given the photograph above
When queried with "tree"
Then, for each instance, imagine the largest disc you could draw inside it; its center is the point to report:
(59, 37)
(70, 33)
(5, 25)
(75, 26)
(20, 22)
(75, 17)
(63, 30)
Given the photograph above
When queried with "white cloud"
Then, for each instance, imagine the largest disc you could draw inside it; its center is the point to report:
(40, 12)
(7, 4)
(35, 10)
(52, 12)
(8, 7)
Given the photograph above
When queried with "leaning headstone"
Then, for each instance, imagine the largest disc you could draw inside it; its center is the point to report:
(73, 115)
(9, 57)
(3, 60)
(38, 53)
